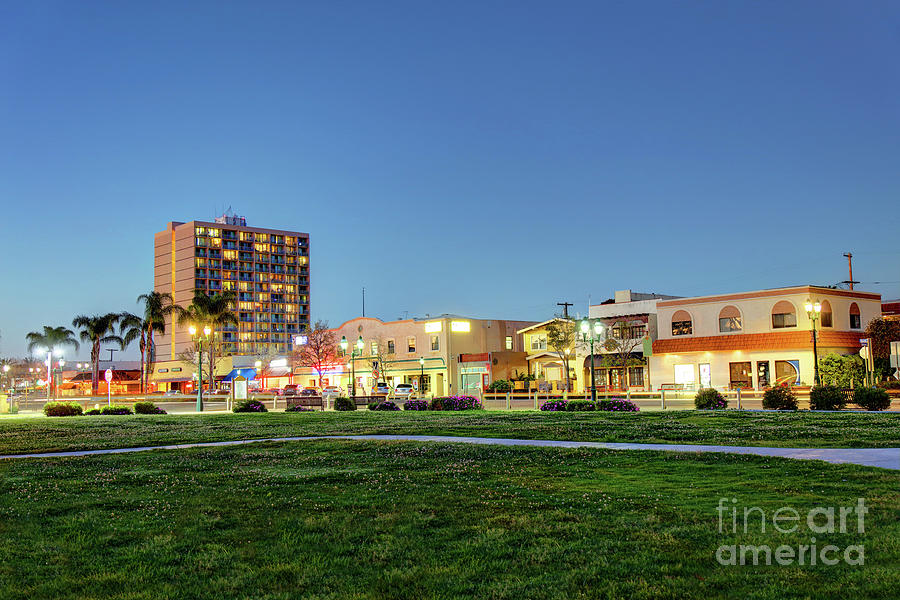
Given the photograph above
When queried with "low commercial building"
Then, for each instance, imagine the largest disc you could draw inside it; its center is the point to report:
(755, 339)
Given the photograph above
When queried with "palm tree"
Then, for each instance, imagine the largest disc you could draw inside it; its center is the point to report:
(50, 338)
(215, 312)
(157, 306)
(132, 327)
(97, 330)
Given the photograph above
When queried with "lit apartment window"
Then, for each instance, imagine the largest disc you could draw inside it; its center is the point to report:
(411, 344)
(682, 324)
(435, 343)
(730, 320)
(374, 347)
(509, 342)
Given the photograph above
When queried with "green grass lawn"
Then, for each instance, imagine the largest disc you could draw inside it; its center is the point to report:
(339, 519)
(801, 429)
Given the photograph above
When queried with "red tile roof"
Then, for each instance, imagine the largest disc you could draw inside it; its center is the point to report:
(780, 340)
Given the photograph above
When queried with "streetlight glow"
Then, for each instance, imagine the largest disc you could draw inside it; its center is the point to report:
(192, 330)
(360, 344)
(598, 327)
(206, 331)
(344, 343)
(585, 327)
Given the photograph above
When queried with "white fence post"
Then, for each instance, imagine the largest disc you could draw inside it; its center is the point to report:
(662, 399)
(739, 398)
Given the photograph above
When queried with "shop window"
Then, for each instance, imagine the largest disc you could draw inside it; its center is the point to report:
(636, 376)
(787, 372)
(855, 318)
(741, 375)
(682, 324)
(509, 342)
(826, 318)
(784, 315)
(435, 343)
(411, 344)
(730, 319)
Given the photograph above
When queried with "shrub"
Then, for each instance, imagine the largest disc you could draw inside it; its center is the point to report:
(93, 411)
(779, 398)
(617, 405)
(891, 384)
(373, 405)
(710, 399)
(344, 403)
(415, 405)
(249, 406)
(456, 403)
(115, 409)
(581, 405)
(147, 408)
(500, 385)
(386, 405)
(871, 398)
(297, 408)
(554, 405)
(62, 409)
(827, 397)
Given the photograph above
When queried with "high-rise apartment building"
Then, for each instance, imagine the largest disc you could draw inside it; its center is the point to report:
(267, 269)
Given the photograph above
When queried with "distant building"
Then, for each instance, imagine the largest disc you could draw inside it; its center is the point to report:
(755, 339)
(268, 269)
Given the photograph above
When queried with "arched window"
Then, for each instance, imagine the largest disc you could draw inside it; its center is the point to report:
(682, 324)
(783, 315)
(826, 318)
(855, 319)
(730, 319)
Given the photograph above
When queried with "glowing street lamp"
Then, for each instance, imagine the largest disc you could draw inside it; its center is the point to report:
(422, 375)
(354, 352)
(813, 310)
(590, 331)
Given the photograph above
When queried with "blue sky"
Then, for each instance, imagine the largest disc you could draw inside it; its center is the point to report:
(484, 158)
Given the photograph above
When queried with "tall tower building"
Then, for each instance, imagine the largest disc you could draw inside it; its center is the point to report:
(267, 269)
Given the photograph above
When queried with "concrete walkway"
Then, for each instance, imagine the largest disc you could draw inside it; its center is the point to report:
(885, 458)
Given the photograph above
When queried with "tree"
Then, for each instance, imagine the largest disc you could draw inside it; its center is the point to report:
(882, 332)
(215, 312)
(98, 330)
(561, 338)
(50, 338)
(842, 371)
(157, 306)
(320, 350)
(621, 345)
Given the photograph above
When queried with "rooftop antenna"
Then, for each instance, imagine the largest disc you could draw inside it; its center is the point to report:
(849, 257)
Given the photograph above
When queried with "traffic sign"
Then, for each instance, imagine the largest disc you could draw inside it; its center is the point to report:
(108, 375)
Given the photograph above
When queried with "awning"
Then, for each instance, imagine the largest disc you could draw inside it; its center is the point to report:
(248, 374)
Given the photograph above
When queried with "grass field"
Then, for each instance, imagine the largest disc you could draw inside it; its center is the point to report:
(801, 429)
(337, 519)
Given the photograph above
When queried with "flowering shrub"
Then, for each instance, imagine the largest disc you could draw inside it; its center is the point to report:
(554, 405)
(617, 405)
(93, 411)
(298, 408)
(386, 405)
(779, 398)
(62, 409)
(710, 399)
(373, 405)
(581, 405)
(115, 409)
(415, 405)
(344, 403)
(455, 403)
(827, 397)
(249, 406)
(871, 398)
(147, 408)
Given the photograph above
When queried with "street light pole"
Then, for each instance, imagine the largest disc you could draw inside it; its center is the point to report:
(49, 363)
(813, 309)
(206, 332)
(422, 376)
(592, 334)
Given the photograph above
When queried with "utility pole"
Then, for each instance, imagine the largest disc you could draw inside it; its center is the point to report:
(849, 257)
(364, 302)
(111, 350)
(565, 306)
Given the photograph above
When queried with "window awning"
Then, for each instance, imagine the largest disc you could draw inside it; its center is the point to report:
(247, 373)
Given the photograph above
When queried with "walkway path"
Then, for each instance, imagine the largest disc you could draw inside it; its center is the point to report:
(886, 458)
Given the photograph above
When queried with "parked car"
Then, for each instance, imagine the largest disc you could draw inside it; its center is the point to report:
(309, 391)
(404, 390)
(290, 390)
(332, 391)
(381, 389)
(172, 393)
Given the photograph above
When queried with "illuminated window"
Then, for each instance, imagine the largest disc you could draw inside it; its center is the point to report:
(460, 326)
(682, 324)
(374, 347)
(730, 319)
(411, 344)
(509, 342)
(433, 327)
(435, 343)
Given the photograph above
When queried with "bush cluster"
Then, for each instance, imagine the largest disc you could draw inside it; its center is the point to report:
(298, 408)
(500, 385)
(147, 408)
(344, 403)
(554, 405)
(62, 409)
(455, 403)
(580, 405)
(617, 405)
(115, 409)
(415, 405)
(710, 399)
(254, 406)
(827, 397)
(609, 405)
(779, 398)
(386, 405)
(93, 411)
(871, 398)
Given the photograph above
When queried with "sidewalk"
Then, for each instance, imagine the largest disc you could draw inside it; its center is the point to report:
(885, 458)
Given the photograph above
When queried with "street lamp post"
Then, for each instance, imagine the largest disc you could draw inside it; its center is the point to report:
(813, 309)
(6, 374)
(354, 352)
(422, 375)
(200, 338)
(591, 333)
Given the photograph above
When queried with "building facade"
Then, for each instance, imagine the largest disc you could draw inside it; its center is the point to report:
(755, 339)
(267, 269)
